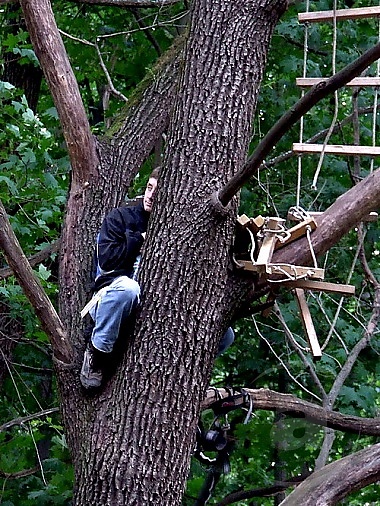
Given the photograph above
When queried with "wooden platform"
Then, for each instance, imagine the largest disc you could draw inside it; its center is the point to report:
(337, 149)
(340, 14)
(306, 82)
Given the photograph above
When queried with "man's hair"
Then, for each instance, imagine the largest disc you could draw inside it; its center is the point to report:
(155, 174)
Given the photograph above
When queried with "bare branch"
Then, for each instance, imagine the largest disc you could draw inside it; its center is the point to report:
(291, 340)
(317, 93)
(112, 88)
(360, 345)
(363, 259)
(148, 33)
(51, 53)
(33, 289)
(271, 490)
(264, 398)
(23, 419)
(19, 474)
(338, 479)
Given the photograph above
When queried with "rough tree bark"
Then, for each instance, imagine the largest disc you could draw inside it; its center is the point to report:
(330, 484)
(131, 444)
(149, 411)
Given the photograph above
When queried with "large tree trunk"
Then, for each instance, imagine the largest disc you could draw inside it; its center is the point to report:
(134, 441)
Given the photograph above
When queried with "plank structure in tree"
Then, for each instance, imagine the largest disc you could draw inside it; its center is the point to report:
(305, 82)
(337, 149)
(307, 323)
(340, 14)
(320, 286)
(372, 216)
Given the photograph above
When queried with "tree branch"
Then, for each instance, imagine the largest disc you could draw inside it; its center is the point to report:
(19, 474)
(51, 53)
(288, 404)
(33, 289)
(130, 3)
(335, 222)
(23, 419)
(34, 260)
(271, 490)
(317, 93)
(338, 479)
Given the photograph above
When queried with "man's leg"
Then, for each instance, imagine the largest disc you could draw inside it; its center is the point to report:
(226, 341)
(115, 306)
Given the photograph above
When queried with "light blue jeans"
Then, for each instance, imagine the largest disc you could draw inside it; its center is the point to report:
(226, 341)
(116, 305)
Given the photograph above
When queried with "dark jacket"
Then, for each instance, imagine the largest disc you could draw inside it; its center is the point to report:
(118, 243)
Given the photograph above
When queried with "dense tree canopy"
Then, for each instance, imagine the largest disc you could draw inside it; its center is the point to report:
(206, 89)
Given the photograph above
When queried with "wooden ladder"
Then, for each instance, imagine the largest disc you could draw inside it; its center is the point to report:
(304, 82)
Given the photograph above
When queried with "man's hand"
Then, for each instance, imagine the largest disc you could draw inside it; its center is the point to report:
(143, 235)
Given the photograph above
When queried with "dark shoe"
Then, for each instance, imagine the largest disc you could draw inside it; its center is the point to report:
(91, 374)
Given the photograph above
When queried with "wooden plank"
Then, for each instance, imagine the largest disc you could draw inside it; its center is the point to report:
(320, 286)
(243, 220)
(247, 265)
(296, 232)
(337, 149)
(340, 14)
(269, 241)
(308, 324)
(287, 270)
(372, 216)
(266, 250)
(254, 224)
(295, 271)
(306, 82)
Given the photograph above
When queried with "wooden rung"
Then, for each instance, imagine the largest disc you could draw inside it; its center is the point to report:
(296, 271)
(357, 81)
(337, 149)
(296, 232)
(340, 14)
(372, 216)
(287, 270)
(308, 324)
(320, 286)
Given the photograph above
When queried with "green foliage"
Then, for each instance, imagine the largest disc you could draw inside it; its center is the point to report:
(32, 163)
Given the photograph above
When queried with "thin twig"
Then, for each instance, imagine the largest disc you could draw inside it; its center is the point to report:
(22, 420)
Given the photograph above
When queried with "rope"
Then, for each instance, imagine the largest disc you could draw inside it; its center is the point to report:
(299, 158)
(375, 104)
(308, 233)
(336, 105)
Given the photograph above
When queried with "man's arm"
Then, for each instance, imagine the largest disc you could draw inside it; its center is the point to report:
(118, 242)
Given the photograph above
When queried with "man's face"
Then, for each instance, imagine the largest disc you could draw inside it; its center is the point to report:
(150, 191)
